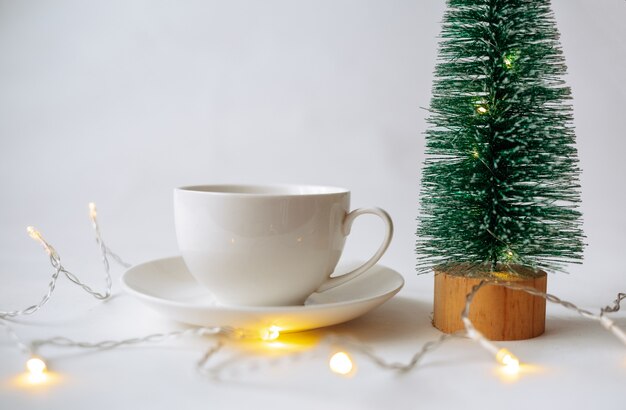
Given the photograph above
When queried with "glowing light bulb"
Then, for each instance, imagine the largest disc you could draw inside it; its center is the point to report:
(508, 254)
(481, 109)
(33, 233)
(340, 363)
(271, 333)
(36, 235)
(93, 213)
(36, 370)
(508, 360)
(475, 153)
(508, 63)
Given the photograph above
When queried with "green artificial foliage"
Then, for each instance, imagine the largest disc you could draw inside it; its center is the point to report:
(500, 185)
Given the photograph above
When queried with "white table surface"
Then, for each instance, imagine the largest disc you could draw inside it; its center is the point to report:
(119, 102)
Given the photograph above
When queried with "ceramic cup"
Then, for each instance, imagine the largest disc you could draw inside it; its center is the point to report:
(267, 245)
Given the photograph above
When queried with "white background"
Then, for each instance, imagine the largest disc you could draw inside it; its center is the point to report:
(118, 102)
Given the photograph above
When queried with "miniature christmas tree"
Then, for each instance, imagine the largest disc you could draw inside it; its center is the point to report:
(500, 185)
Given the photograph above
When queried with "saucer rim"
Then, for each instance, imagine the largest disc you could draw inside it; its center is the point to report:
(262, 309)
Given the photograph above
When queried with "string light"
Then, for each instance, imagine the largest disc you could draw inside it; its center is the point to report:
(60, 341)
(21, 345)
(503, 356)
(270, 333)
(55, 260)
(341, 363)
(93, 213)
(35, 365)
(508, 360)
(481, 105)
(509, 59)
(36, 370)
(605, 321)
(36, 235)
(510, 364)
(201, 365)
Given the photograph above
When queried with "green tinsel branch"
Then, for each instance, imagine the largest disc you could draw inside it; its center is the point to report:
(500, 185)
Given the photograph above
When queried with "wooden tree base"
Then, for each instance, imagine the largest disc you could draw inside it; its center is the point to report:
(499, 313)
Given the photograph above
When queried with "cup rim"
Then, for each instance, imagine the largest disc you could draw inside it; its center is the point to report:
(263, 190)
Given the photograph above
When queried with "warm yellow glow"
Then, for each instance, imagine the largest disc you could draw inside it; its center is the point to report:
(340, 363)
(508, 360)
(27, 381)
(300, 340)
(475, 153)
(36, 365)
(481, 109)
(36, 235)
(93, 213)
(36, 370)
(270, 333)
(33, 233)
(508, 375)
(285, 343)
(508, 62)
(37, 378)
(274, 345)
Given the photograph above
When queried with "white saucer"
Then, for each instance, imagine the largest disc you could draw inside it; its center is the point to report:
(167, 286)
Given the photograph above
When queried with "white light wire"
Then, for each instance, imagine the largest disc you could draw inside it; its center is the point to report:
(55, 261)
(604, 320)
(356, 346)
(22, 346)
(61, 341)
(470, 331)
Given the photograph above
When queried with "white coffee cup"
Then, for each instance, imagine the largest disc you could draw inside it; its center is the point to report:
(267, 245)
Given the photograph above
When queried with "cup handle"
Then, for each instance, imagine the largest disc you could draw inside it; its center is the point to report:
(347, 225)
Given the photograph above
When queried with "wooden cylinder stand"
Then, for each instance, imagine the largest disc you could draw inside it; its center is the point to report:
(497, 312)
